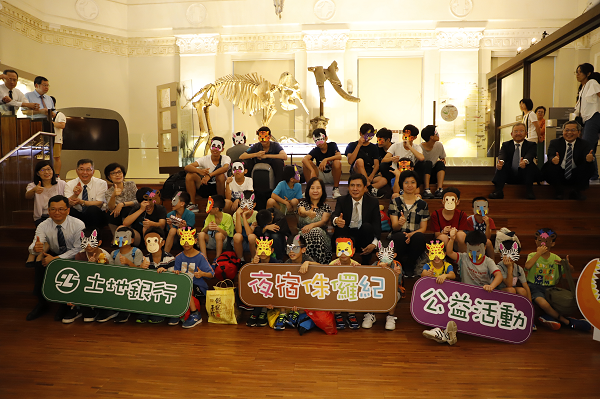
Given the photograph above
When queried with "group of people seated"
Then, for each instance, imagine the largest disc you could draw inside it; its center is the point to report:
(70, 217)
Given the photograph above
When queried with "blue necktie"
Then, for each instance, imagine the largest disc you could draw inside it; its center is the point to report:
(62, 244)
(516, 158)
(569, 162)
(84, 196)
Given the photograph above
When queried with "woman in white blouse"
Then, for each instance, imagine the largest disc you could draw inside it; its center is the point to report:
(588, 106)
(530, 120)
(45, 185)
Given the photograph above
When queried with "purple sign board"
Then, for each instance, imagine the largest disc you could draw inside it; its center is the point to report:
(495, 315)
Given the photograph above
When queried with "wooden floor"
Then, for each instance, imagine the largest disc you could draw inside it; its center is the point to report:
(46, 359)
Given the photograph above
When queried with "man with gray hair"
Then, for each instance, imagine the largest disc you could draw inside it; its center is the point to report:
(570, 162)
(515, 163)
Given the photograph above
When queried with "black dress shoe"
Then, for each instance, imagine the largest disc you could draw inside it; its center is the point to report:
(530, 195)
(496, 195)
(39, 310)
(578, 195)
(63, 308)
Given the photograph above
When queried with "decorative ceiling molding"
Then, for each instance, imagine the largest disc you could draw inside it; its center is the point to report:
(35, 29)
(198, 44)
(262, 43)
(326, 40)
(459, 38)
(503, 39)
(397, 40)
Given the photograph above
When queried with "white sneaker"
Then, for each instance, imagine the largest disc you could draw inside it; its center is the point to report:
(436, 334)
(390, 322)
(368, 320)
(336, 192)
(451, 331)
(193, 208)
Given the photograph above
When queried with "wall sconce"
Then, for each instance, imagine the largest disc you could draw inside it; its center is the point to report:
(533, 41)
(349, 86)
(519, 50)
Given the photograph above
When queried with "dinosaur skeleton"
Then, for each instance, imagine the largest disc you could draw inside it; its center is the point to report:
(251, 93)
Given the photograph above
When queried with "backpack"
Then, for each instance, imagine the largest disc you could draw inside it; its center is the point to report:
(133, 249)
(174, 184)
(227, 266)
(386, 223)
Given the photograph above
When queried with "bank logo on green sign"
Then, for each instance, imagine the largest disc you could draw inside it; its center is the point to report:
(67, 280)
(117, 287)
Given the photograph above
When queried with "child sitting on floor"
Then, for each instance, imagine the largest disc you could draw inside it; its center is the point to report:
(437, 266)
(264, 253)
(344, 249)
(296, 251)
(386, 259)
(194, 264)
(511, 272)
(544, 273)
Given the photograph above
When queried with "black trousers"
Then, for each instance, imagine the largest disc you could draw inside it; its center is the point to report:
(385, 169)
(580, 176)
(408, 254)
(117, 220)
(276, 164)
(429, 168)
(526, 176)
(93, 217)
(361, 237)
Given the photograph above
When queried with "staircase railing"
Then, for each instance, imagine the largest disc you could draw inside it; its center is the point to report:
(16, 171)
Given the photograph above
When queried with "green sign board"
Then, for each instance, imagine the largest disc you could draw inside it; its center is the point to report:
(121, 288)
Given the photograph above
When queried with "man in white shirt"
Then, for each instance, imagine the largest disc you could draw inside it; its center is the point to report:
(86, 195)
(59, 236)
(13, 98)
(39, 96)
(206, 175)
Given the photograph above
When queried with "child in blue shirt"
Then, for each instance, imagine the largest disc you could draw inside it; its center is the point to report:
(194, 264)
(180, 217)
(288, 192)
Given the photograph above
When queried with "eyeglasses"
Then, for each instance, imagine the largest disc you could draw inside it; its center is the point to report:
(46, 170)
(45, 85)
(116, 173)
(88, 170)
(61, 210)
(570, 131)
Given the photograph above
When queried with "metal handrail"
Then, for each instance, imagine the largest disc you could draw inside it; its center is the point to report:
(17, 148)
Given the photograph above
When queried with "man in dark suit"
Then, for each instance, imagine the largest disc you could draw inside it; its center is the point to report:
(357, 216)
(572, 164)
(515, 163)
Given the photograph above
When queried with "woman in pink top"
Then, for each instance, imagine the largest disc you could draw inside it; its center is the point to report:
(45, 185)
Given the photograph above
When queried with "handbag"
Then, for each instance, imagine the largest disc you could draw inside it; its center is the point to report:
(220, 303)
(579, 118)
(562, 300)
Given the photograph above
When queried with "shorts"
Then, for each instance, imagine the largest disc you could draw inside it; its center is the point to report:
(212, 243)
(56, 150)
(537, 291)
(207, 190)
(326, 177)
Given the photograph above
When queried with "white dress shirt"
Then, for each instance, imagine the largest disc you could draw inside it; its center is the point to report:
(34, 97)
(18, 97)
(96, 190)
(71, 229)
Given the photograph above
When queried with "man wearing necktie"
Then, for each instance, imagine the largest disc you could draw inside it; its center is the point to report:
(515, 163)
(13, 98)
(86, 195)
(58, 236)
(357, 216)
(571, 163)
(40, 97)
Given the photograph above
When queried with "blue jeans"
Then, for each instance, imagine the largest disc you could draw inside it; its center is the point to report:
(591, 131)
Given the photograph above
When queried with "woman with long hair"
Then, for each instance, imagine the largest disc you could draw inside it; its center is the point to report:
(588, 106)
(45, 185)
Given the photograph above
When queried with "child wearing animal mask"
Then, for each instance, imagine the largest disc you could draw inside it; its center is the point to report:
(264, 253)
(328, 161)
(344, 249)
(125, 255)
(480, 220)
(178, 218)
(194, 264)
(265, 151)
(235, 185)
(443, 220)
(437, 266)
(239, 146)
(90, 252)
(363, 156)
(159, 260)
(475, 268)
(244, 222)
(386, 260)
(206, 175)
(218, 226)
(406, 149)
(544, 272)
(511, 272)
(147, 212)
